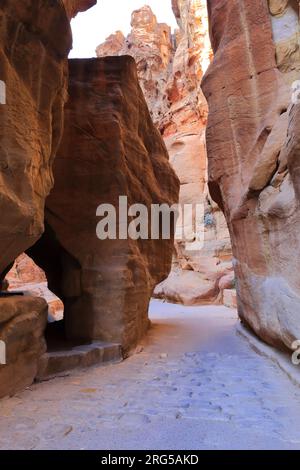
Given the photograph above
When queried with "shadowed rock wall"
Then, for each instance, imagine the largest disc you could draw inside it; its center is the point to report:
(35, 40)
(110, 148)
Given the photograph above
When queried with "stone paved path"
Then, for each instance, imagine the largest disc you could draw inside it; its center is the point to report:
(194, 384)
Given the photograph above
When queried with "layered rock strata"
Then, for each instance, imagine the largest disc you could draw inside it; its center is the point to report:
(170, 68)
(110, 148)
(252, 140)
(26, 276)
(35, 39)
(22, 324)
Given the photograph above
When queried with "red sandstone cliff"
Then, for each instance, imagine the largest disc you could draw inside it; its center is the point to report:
(35, 40)
(252, 140)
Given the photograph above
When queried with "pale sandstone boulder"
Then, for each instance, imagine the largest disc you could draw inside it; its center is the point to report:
(110, 148)
(252, 140)
(24, 271)
(187, 288)
(227, 282)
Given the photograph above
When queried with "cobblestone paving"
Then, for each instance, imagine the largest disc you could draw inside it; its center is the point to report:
(193, 384)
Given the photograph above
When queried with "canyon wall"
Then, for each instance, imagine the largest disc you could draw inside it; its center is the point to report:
(35, 40)
(170, 68)
(253, 152)
(31, 127)
(199, 276)
(110, 148)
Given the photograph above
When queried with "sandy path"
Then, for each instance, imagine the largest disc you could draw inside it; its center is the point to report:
(195, 385)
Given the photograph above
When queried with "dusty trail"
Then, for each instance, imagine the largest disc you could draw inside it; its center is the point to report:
(194, 385)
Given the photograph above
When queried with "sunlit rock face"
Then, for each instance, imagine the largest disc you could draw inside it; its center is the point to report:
(285, 29)
(26, 276)
(170, 69)
(110, 148)
(253, 146)
(150, 43)
(197, 273)
(35, 39)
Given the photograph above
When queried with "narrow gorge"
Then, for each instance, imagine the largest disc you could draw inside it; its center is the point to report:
(206, 115)
(170, 69)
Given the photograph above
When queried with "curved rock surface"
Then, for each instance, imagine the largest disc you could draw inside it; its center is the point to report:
(252, 140)
(110, 148)
(196, 272)
(73, 7)
(35, 40)
(31, 127)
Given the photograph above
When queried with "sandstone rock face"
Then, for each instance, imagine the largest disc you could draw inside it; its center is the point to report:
(22, 324)
(253, 142)
(170, 69)
(110, 148)
(35, 40)
(150, 43)
(26, 276)
(184, 130)
(24, 271)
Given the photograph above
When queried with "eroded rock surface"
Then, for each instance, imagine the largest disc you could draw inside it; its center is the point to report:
(252, 140)
(35, 40)
(110, 148)
(26, 276)
(196, 272)
(151, 45)
(170, 69)
(22, 324)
